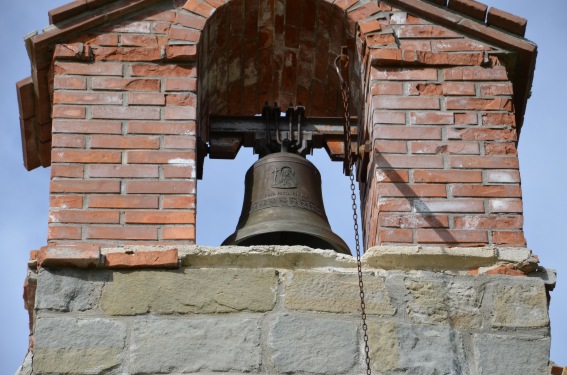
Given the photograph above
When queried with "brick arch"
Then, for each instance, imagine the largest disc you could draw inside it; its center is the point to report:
(251, 52)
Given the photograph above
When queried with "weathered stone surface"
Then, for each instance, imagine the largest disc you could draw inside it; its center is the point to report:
(195, 344)
(313, 344)
(447, 300)
(505, 355)
(336, 292)
(384, 346)
(65, 289)
(520, 305)
(66, 345)
(190, 291)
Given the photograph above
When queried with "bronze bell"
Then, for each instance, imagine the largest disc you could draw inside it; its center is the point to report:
(283, 205)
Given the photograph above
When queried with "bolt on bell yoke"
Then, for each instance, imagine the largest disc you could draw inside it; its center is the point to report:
(283, 203)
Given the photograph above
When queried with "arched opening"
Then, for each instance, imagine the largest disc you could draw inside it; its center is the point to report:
(254, 52)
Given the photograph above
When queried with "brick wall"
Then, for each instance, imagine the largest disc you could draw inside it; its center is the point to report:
(436, 106)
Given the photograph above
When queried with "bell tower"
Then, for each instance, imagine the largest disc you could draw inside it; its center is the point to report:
(129, 99)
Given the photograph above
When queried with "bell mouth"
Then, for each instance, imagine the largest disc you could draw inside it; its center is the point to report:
(287, 235)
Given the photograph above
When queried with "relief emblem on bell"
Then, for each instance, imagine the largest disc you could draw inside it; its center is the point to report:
(284, 178)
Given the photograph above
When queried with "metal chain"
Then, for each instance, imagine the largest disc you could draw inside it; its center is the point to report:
(349, 166)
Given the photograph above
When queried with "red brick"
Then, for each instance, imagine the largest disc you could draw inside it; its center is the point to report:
(505, 206)
(386, 175)
(407, 132)
(159, 217)
(458, 45)
(466, 118)
(181, 84)
(406, 161)
(68, 171)
(178, 171)
(125, 84)
(181, 100)
(181, 52)
(185, 232)
(63, 233)
(68, 141)
(180, 113)
(121, 233)
(70, 83)
(487, 191)
(123, 171)
(483, 162)
(444, 176)
(86, 127)
(410, 190)
(82, 186)
(79, 255)
(498, 119)
(162, 127)
(504, 135)
(190, 20)
(137, 27)
(425, 31)
(85, 156)
(496, 104)
(86, 98)
(179, 142)
(496, 89)
(388, 117)
(506, 21)
(124, 142)
(450, 205)
(442, 148)
(503, 177)
(403, 74)
(84, 216)
(395, 235)
(425, 89)
(170, 70)
(160, 187)
(506, 269)
(126, 113)
(160, 157)
(87, 69)
(451, 236)
(387, 88)
(66, 201)
(138, 40)
(143, 259)
(500, 149)
(181, 202)
(386, 56)
(146, 99)
(68, 111)
(188, 35)
(413, 221)
(368, 26)
(459, 88)
(508, 238)
(489, 222)
(431, 118)
(443, 59)
(395, 147)
(400, 102)
(476, 74)
(470, 8)
(161, 28)
(376, 40)
(393, 205)
(123, 201)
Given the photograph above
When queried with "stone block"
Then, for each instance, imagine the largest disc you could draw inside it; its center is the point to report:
(313, 344)
(66, 289)
(196, 344)
(504, 355)
(445, 300)
(412, 349)
(66, 345)
(520, 304)
(190, 291)
(336, 292)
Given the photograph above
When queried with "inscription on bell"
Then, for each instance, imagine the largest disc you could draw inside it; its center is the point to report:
(284, 178)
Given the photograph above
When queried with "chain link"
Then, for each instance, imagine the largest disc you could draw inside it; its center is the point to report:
(349, 169)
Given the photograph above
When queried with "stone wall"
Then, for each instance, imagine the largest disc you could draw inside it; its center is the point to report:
(295, 310)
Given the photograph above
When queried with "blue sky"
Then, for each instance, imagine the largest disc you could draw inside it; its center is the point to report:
(24, 203)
